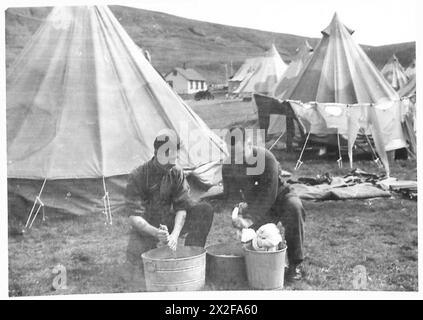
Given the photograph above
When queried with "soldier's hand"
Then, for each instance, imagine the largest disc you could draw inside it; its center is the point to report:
(242, 223)
(162, 235)
(172, 242)
(242, 206)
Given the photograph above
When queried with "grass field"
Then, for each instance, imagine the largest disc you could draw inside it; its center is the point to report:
(220, 114)
(379, 234)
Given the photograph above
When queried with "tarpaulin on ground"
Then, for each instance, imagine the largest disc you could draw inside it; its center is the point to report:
(328, 192)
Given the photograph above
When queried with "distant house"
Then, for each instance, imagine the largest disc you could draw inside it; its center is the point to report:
(186, 81)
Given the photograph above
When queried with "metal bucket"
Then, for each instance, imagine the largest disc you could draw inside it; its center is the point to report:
(180, 270)
(226, 266)
(265, 269)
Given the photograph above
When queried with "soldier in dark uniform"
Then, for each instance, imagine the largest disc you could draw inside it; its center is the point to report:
(262, 195)
(157, 194)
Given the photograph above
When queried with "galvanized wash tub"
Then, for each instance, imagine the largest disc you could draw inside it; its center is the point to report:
(226, 266)
(180, 270)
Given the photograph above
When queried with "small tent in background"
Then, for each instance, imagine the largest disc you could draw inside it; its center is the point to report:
(83, 109)
(302, 55)
(277, 123)
(409, 90)
(339, 92)
(394, 73)
(263, 74)
(411, 69)
(246, 69)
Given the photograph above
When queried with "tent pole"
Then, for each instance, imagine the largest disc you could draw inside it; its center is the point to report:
(375, 157)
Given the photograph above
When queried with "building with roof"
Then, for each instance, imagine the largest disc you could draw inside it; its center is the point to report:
(186, 81)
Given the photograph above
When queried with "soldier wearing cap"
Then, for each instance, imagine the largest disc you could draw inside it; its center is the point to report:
(159, 205)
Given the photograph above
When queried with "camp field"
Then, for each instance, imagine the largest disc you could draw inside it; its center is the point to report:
(379, 234)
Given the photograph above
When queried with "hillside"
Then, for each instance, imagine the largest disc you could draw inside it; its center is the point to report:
(173, 41)
(405, 52)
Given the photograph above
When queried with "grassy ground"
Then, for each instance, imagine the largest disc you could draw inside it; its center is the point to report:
(379, 234)
(220, 114)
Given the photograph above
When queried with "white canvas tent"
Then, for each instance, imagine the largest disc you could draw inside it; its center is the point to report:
(411, 69)
(339, 91)
(261, 74)
(246, 69)
(83, 108)
(394, 73)
(277, 122)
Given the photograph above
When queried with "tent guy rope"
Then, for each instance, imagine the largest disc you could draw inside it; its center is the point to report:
(376, 159)
(106, 203)
(276, 141)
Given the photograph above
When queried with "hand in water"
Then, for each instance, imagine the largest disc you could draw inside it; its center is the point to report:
(172, 242)
(162, 234)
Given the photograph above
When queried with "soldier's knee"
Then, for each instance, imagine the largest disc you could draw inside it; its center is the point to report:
(294, 202)
(203, 208)
(295, 206)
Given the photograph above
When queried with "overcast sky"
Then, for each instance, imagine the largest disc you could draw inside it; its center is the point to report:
(376, 22)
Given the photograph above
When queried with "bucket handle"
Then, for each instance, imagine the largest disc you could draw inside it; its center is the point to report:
(150, 266)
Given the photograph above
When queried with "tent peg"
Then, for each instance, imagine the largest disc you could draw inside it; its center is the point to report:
(378, 163)
(298, 165)
(339, 161)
